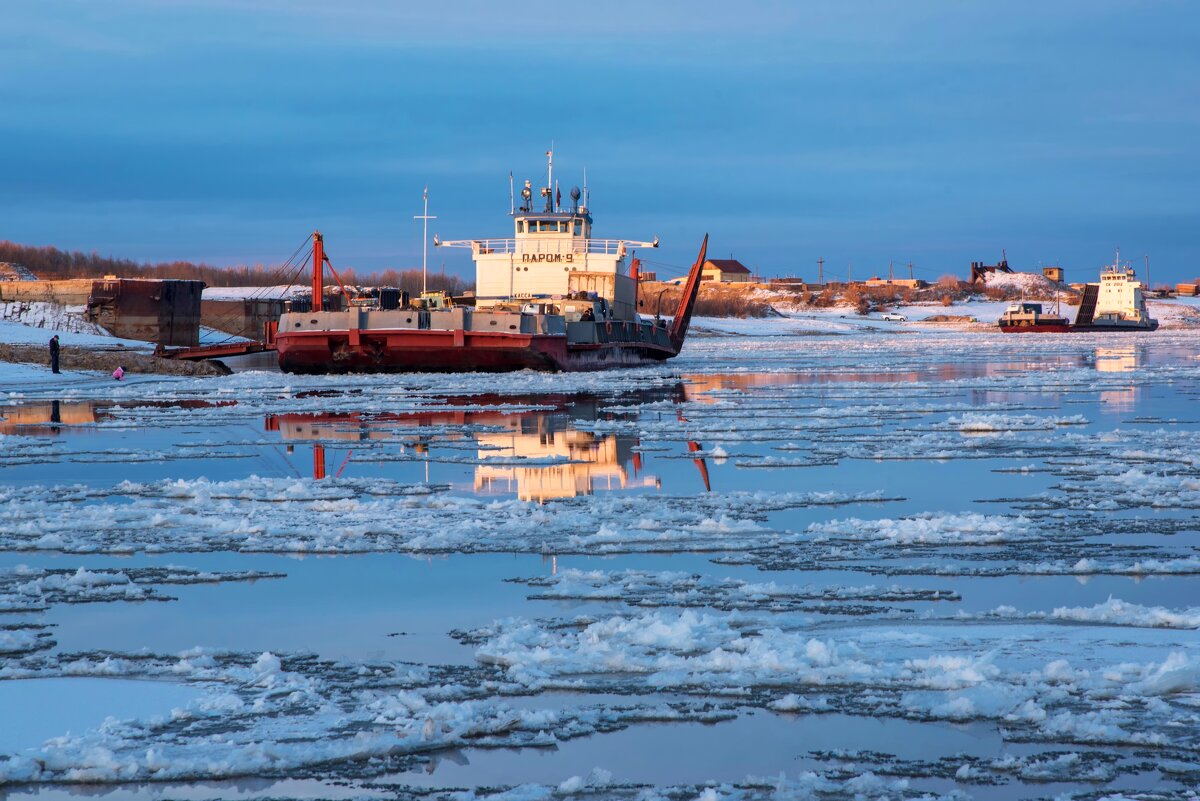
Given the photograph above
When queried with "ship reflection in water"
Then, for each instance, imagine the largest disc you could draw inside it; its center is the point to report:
(592, 462)
(563, 460)
(1121, 359)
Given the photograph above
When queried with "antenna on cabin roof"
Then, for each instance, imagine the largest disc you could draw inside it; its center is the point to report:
(512, 201)
(586, 203)
(424, 237)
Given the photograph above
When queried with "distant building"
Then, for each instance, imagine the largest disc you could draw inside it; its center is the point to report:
(979, 269)
(1054, 274)
(647, 276)
(907, 283)
(1187, 289)
(725, 271)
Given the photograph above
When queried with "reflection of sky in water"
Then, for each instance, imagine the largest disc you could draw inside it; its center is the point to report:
(757, 744)
(51, 707)
(397, 607)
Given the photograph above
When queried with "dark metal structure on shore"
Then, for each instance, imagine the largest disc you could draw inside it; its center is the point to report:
(165, 311)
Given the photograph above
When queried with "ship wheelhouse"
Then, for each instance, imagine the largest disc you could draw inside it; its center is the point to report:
(552, 256)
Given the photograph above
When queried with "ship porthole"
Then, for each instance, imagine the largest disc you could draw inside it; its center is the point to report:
(493, 322)
(408, 319)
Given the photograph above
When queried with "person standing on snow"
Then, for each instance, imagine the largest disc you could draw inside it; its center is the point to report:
(54, 353)
(119, 373)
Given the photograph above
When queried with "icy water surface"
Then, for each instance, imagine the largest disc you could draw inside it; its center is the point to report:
(877, 566)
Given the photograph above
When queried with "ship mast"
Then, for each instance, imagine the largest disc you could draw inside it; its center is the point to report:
(424, 238)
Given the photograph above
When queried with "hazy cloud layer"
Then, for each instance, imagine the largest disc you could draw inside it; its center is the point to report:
(861, 131)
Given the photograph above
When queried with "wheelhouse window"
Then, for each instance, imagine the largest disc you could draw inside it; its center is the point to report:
(578, 227)
(549, 227)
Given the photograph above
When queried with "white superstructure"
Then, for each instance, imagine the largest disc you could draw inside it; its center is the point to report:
(1120, 294)
(552, 255)
(1120, 301)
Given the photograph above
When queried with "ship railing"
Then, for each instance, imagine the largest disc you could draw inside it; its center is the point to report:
(600, 247)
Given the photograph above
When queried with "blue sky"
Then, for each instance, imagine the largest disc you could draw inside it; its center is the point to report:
(930, 132)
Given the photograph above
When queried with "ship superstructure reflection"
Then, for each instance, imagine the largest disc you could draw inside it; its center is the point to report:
(1120, 359)
(537, 455)
(590, 463)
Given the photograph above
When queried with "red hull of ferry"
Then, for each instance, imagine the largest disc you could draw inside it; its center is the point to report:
(1037, 328)
(451, 351)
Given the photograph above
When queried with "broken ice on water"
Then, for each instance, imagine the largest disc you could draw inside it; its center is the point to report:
(843, 531)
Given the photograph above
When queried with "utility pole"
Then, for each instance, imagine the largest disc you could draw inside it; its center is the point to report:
(1148, 286)
(847, 273)
(424, 238)
(821, 271)
(891, 271)
(910, 271)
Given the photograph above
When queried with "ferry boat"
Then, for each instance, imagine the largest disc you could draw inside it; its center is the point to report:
(1028, 318)
(550, 297)
(1117, 303)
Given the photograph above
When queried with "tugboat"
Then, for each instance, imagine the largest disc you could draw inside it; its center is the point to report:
(549, 298)
(1117, 303)
(1028, 318)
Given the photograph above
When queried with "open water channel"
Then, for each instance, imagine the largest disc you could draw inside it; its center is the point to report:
(826, 566)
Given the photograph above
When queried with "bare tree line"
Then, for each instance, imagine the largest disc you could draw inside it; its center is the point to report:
(50, 263)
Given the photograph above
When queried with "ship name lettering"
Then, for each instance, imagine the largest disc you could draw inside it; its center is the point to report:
(569, 258)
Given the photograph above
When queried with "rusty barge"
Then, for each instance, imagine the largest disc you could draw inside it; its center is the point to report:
(551, 297)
